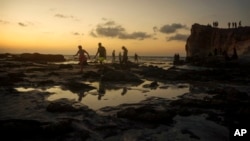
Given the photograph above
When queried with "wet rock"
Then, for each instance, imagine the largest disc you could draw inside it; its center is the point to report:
(40, 57)
(77, 87)
(20, 129)
(45, 83)
(229, 93)
(53, 74)
(147, 114)
(117, 75)
(91, 75)
(65, 66)
(64, 105)
(15, 77)
(152, 85)
(192, 135)
(23, 130)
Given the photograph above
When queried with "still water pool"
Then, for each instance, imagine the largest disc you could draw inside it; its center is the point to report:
(109, 94)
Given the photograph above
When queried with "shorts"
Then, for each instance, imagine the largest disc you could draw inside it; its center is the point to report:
(82, 59)
(101, 59)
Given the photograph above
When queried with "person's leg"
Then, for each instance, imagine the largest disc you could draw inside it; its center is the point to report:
(81, 65)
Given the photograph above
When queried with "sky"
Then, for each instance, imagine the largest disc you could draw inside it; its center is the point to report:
(145, 27)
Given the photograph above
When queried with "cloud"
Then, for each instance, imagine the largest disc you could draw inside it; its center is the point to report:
(155, 29)
(25, 24)
(66, 16)
(178, 37)
(167, 29)
(134, 35)
(111, 29)
(22, 24)
(61, 16)
(4, 22)
(77, 33)
(92, 33)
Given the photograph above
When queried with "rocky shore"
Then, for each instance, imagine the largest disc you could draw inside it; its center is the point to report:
(217, 104)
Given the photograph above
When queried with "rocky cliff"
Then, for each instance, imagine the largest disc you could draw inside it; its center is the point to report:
(206, 41)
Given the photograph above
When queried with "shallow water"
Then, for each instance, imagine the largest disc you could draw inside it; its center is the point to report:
(109, 94)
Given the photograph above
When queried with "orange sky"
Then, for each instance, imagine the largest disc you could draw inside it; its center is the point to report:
(158, 27)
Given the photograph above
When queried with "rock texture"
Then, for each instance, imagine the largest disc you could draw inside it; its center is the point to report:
(40, 57)
(204, 40)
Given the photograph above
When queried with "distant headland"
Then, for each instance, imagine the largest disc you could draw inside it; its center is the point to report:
(207, 40)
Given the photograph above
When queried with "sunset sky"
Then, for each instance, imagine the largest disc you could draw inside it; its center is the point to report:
(146, 27)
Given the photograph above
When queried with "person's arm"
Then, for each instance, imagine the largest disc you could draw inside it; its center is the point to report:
(76, 53)
(105, 53)
(87, 53)
(96, 53)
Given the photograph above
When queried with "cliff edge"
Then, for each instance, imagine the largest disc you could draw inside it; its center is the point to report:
(207, 41)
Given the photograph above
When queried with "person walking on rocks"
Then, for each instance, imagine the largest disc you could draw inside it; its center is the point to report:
(136, 58)
(125, 56)
(102, 53)
(82, 57)
(113, 56)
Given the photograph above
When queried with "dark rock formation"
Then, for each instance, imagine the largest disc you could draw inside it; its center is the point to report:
(207, 41)
(40, 57)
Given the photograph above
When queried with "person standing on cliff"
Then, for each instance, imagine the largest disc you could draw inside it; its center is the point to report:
(82, 58)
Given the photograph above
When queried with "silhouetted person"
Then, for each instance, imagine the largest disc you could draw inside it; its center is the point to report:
(102, 53)
(215, 52)
(120, 58)
(176, 59)
(215, 24)
(235, 55)
(220, 51)
(226, 55)
(124, 91)
(82, 58)
(101, 89)
(239, 23)
(210, 54)
(113, 56)
(81, 95)
(125, 56)
(136, 57)
(229, 24)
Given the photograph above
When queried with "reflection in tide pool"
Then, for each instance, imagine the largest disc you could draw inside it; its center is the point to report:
(105, 95)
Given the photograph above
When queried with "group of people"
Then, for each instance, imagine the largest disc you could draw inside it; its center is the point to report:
(230, 24)
(123, 59)
(234, 24)
(101, 53)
